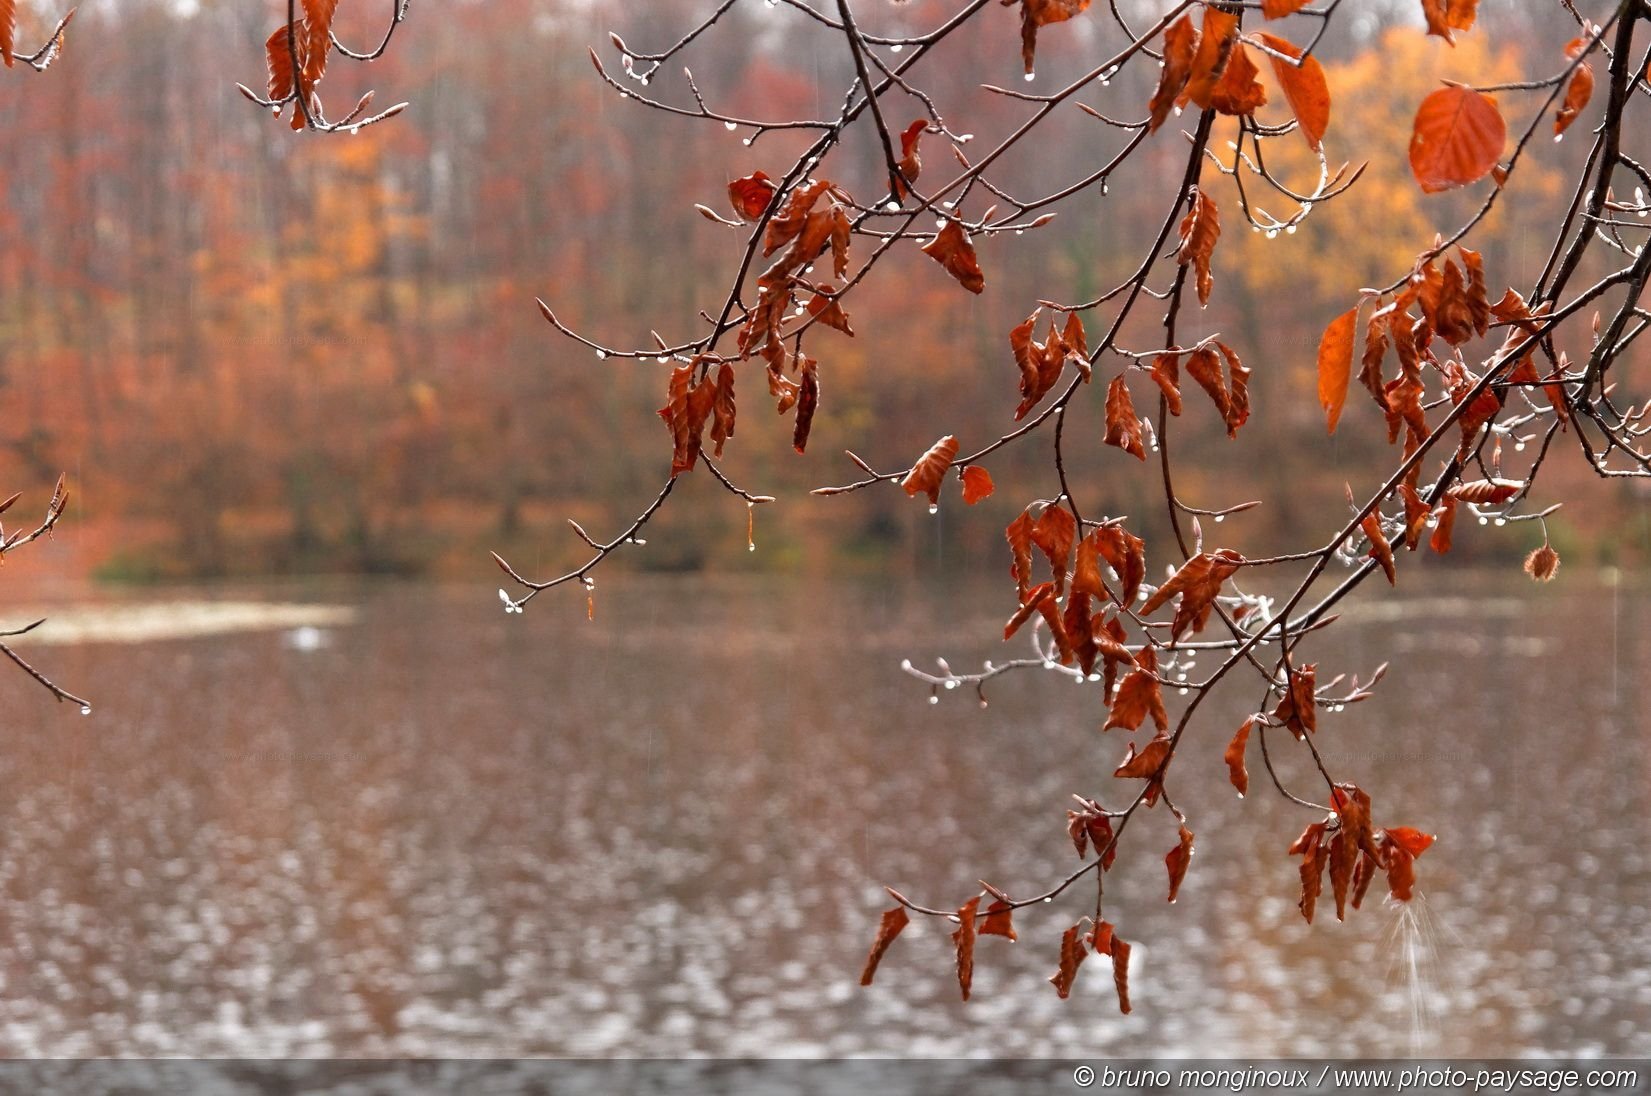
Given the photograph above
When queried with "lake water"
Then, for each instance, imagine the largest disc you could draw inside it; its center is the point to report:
(423, 827)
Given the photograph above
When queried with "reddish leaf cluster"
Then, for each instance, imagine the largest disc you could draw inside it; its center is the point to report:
(1346, 844)
(1075, 948)
(297, 57)
(1041, 363)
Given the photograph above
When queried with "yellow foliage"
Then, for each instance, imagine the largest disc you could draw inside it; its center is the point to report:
(1372, 234)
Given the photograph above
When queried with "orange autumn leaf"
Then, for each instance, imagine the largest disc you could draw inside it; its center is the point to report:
(1200, 229)
(1305, 89)
(1035, 599)
(1336, 364)
(823, 306)
(1215, 42)
(1416, 513)
(1446, 17)
(1072, 957)
(1166, 374)
(1456, 139)
(1278, 9)
(893, 921)
(1176, 862)
(1577, 92)
(1380, 550)
(1019, 535)
(317, 23)
(1197, 582)
(927, 475)
(977, 483)
(1139, 695)
(964, 939)
(1123, 428)
(1147, 765)
(8, 30)
(1179, 42)
(1440, 541)
(1234, 757)
(1238, 92)
(751, 196)
(1415, 842)
(951, 249)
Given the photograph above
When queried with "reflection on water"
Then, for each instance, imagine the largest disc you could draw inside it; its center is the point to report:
(447, 831)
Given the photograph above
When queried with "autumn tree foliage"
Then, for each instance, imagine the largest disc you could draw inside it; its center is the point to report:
(1475, 383)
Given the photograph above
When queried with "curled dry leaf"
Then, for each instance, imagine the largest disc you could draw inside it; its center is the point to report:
(823, 307)
(722, 409)
(929, 473)
(1446, 17)
(1041, 364)
(1200, 229)
(1542, 564)
(808, 401)
(1197, 582)
(951, 249)
(1147, 765)
(1123, 428)
(687, 406)
(911, 163)
(1176, 862)
(1033, 603)
(750, 196)
(893, 921)
(1231, 395)
(1298, 709)
(1456, 139)
(1180, 40)
(1120, 972)
(1072, 957)
(977, 483)
(997, 921)
(1336, 364)
(1039, 13)
(1234, 757)
(964, 939)
(1139, 695)
(1054, 533)
(1487, 491)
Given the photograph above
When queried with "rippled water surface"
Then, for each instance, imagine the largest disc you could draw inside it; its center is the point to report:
(423, 827)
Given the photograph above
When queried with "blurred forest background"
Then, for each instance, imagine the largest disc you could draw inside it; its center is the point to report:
(255, 352)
